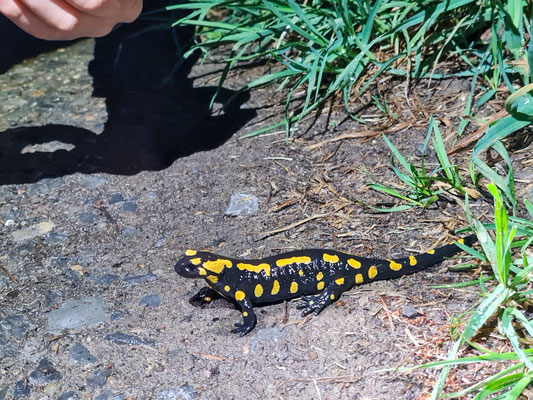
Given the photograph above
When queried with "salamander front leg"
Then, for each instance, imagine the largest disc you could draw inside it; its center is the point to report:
(205, 296)
(248, 316)
(316, 303)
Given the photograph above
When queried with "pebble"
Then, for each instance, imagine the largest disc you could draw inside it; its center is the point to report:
(9, 222)
(420, 151)
(150, 300)
(130, 231)
(32, 231)
(266, 334)
(109, 395)
(33, 350)
(88, 217)
(129, 206)
(79, 353)
(99, 377)
(93, 181)
(242, 204)
(70, 395)
(15, 325)
(54, 297)
(184, 392)
(76, 314)
(408, 311)
(106, 279)
(160, 242)
(115, 198)
(55, 237)
(116, 315)
(45, 372)
(45, 186)
(125, 339)
(138, 279)
(22, 389)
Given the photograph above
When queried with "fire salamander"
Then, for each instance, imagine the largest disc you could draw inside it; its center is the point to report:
(319, 277)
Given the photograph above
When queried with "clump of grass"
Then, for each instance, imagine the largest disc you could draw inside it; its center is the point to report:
(342, 47)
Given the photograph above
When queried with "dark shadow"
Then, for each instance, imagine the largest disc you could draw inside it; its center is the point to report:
(154, 114)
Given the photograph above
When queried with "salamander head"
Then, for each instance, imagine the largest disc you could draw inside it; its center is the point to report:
(201, 264)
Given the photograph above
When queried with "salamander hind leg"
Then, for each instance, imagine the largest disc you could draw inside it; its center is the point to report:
(204, 297)
(248, 316)
(316, 303)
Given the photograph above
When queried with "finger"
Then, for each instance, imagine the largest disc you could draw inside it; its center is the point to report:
(119, 10)
(21, 16)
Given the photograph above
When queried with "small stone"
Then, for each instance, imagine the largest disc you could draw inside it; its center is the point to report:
(150, 195)
(53, 297)
(184, 392)
(70, 395)
(52, 389)
(33, 350)
(76, 314)
(44, 186)
(9, 222)
(32, 231)
(409, 311)
(45, 372)
(3, 392)
(106, 279)
(93, 181)
(267, 334)
(129, 206)
(420, 150)
(115, 198)
(22, 389)
(138, 279)
(99, 377)
(15, 325)
(88, 217)
(130, 231)
(150, 300)
(116, 315)
(79, 353)
(54, 238)
(160, 242)
(125, 339)
(109, 395)
(242, 204)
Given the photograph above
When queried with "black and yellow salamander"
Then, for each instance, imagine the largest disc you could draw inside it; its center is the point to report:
(318, 276)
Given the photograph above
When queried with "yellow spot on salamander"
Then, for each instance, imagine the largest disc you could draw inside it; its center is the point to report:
(359, 278)
(227, 288)
(300, 272)
(207, 298)
(462, 241)
(275, 288)
(202, 271)
(354, 263)
(239, 295)
(196, 261)
(394, 265)
(190, 253)
(294, 287)
(255, 268)
(331, 258)
(339, 281)
(332, 296)
(320, 285)
(245, 313)
(431, 252)
(372, 272)
(212, 278)
(319, 276)
(293, 260)
(258, 290)
(412, 261)
(217, 266)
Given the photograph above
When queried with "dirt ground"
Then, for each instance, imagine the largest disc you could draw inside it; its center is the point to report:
(110, 171)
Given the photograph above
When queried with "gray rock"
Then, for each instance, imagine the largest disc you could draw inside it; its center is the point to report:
(3, 392)
(130, 231)
(150, 300)
(129, 206)
(9, 351)
(109, 395)
(138, 279)
(70, 395)
(420, 151)
(125, 339)
(242, 204)
(32, 231)
(115, 198)
(106, 279)
(55, 237)
(150, 195)
(45, 372)
(76, 314)
(44, 186)
(184, 392)
(54, 297)
(88, 217)
(267, 334)
(99, 377)
(160, 242)
(116, 315)
(33, 350)
(93, 181)
(15, 325)
(408, 311)
(22, 389)
(79, 353)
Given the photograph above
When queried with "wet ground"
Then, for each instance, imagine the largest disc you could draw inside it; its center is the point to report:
(111, 165)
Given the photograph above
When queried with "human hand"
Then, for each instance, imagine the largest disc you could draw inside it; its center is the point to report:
(69, 19)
